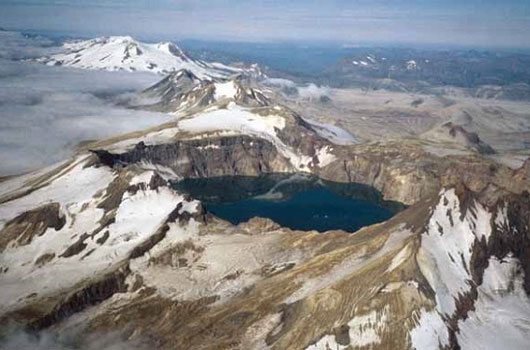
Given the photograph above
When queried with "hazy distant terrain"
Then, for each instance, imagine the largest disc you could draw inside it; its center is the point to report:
(480, 73)
(419, 70)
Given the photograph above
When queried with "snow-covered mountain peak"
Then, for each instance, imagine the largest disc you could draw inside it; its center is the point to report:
(125, 53)
(172, 49)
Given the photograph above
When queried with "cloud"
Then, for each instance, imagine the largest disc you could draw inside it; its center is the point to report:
(309, 91)
(280, 82)
(313, 91)
(46, 111)
(17, 46)
(14, 338)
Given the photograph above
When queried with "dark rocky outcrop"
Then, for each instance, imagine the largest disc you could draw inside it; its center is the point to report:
(177, 215)
(470, 140)
(76, 248)
(172, 85)
(79, 299)
(114, 194)
(247, 95)
(23, 228)
(44, 259)
(205, 158)
(515, 236)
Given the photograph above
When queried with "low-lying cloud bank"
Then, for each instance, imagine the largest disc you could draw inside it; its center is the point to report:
(308, 91)
(16, 338)
(46, 111)
(18, 46)
(313, 91)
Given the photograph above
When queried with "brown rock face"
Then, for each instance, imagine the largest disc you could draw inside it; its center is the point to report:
(403, 171)
(259, 225)
(89, 295)
(241, 155)
(514, 236)
(459, 135)
(22, 229)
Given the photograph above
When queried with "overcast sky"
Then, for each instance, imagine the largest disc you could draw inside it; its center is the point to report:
(478, 23)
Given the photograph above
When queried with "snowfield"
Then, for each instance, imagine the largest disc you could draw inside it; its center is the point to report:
(234, 119)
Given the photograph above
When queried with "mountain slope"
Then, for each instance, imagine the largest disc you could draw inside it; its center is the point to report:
(458, 135)
(125, 53)
(104, 244)
(183, 92)
(433, 277)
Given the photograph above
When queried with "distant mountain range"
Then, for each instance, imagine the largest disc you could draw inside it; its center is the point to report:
(487, 75)
(477, 73)
(483, 74)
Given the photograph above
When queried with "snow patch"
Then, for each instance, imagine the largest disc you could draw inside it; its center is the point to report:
(430, 332)
(72, 186)
(225, 90)
(363, 331)
(235, 119)
(400, 258)
(325, 157)
(332, 133)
